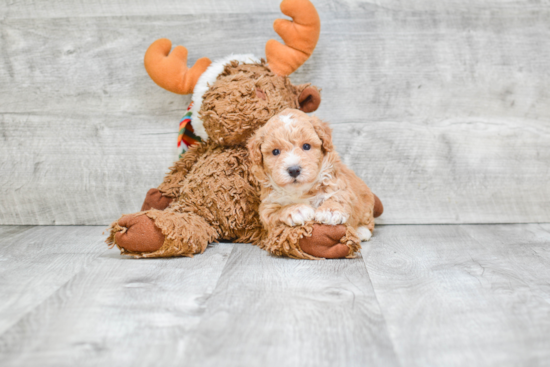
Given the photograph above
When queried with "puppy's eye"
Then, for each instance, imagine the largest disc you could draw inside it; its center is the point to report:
(276, 152)
(306, 146)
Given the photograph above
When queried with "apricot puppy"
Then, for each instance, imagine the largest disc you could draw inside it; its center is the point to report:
(303, 178)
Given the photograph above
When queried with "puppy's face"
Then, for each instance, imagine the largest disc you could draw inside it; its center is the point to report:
(289, 150)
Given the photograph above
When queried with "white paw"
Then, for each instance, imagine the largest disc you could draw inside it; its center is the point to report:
(300, 216)
(331, 217)
(364, 233)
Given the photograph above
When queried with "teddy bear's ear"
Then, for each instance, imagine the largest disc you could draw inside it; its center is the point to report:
(309, 99)
(324, 132)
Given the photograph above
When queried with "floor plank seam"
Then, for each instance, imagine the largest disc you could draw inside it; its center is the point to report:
(397, 356)
(192, 334)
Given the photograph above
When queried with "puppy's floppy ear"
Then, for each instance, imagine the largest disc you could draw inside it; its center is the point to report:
(255, 148)
(255, 151)
(324, 132)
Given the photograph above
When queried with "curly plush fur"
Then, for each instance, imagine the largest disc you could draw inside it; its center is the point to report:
(243, 98)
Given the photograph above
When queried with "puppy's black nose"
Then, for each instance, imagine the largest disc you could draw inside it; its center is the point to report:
(294, 171)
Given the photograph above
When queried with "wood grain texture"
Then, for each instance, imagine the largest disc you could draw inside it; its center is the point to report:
(36, 262)
(437, 295)
(9, 232)
(442, 107)
(464, 295)
(268, 311)
(455, 171)
(87, 178)
(72, 8)
(115, 311)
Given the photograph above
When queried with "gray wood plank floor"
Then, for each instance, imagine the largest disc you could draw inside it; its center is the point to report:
(440, 295)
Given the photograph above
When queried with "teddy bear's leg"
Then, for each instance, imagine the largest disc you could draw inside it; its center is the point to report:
(312, 241)
(135, 233)
(283, 240)
(325, 242)
(169, 189)
(331, 242)
(155, 200)
(378, 207)
(156, 233)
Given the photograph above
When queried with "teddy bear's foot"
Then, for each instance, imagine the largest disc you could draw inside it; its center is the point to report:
(284, 240)
(378, 207)
(331, 242)
(156, 233)
(155, 200)
(137, 233)
(325, 242)
(312, 241)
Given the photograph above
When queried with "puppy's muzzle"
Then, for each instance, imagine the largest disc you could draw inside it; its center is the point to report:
(294, 171)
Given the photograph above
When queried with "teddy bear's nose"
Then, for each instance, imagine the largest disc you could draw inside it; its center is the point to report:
(294, 171)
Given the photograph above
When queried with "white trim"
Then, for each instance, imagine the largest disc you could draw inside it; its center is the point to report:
(209, 77)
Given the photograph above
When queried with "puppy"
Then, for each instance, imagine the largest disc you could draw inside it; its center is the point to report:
(303, 179)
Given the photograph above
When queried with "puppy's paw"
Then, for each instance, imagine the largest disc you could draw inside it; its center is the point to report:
(332, 217)
(364, 233)
(299, 216)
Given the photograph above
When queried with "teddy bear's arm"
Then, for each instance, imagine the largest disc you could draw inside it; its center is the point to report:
(173, 181)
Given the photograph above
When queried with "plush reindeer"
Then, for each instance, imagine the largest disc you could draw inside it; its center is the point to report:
(210, 194)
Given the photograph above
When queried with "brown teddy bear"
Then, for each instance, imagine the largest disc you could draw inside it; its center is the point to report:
(210, 194)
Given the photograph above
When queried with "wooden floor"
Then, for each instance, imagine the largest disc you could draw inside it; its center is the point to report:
(420, 295)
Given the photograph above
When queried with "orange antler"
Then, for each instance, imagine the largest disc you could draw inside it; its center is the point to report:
(169, 70)
(300, 36)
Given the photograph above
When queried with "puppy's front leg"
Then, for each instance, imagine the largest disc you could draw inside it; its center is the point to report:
(296, 215)
(272, 214)
(331, 212)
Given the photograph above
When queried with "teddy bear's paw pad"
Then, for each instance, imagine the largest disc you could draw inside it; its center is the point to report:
(155, 200)
(141, 234)
(331, 217)
(300, 215)
(364, 233)
(325, 242)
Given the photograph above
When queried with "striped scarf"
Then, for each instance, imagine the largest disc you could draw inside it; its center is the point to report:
(186, 136)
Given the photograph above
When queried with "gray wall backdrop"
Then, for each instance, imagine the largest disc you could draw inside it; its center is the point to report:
(441, 106)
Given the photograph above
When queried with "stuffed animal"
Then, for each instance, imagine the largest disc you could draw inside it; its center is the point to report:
(211, 194)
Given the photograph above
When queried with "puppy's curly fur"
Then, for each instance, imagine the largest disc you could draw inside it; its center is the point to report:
(303, 179)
